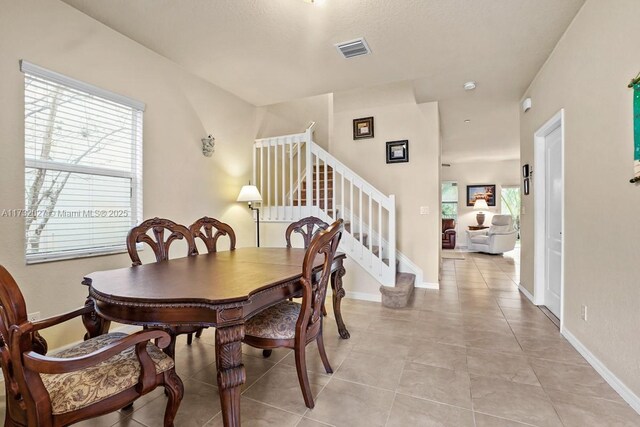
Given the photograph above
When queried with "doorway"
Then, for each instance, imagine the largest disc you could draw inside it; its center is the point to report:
(510, 198)
(548, 192)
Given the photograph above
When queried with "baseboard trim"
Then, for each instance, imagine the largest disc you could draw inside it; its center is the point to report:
(625, 392)
(363, 296)
(428, 285)
(526, 293)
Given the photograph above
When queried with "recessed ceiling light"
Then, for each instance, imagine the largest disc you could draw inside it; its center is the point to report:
(469, 85)
(467, 121)
(314, 1)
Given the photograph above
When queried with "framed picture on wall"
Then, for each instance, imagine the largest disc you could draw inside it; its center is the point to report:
(398, 151)
(487, 192)
(363, 128)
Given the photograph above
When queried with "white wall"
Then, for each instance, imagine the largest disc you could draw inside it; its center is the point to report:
(503, 173)
(179, 182)
(587, 75)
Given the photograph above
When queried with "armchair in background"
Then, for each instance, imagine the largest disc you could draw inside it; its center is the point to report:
(448, 234)
(499, 238)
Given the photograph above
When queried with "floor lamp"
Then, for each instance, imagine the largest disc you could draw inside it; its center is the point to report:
(249, 193)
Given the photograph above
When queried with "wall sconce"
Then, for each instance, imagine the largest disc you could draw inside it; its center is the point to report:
(208, 145)
(250, 193)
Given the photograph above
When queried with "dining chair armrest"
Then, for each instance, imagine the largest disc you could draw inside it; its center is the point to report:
(61, 318)
(60, 365)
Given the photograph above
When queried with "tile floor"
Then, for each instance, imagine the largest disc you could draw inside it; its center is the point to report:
(474, 353)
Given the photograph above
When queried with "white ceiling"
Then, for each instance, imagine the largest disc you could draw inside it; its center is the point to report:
(269, 51)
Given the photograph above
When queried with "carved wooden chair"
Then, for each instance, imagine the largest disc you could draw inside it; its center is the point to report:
(307, 227)
(293, 325)
(160, 246)
(98, 376)
(203, 229)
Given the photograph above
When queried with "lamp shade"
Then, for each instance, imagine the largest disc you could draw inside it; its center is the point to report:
(480, 204)
(249, 193)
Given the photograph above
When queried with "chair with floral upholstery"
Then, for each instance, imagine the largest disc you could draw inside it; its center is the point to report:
(293, 325)
(100, 375)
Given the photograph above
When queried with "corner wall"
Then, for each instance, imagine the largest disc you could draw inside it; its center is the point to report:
(587, 75)
(416, 183)
(178, 181)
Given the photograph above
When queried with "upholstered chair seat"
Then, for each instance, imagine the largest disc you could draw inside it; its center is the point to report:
(103, 374)
(292, 325)
(78, 389)
(277, 322)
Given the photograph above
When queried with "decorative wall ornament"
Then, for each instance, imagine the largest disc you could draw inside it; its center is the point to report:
(208, 145)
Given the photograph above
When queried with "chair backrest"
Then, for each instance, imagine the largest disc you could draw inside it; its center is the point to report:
(448, 224)
(158, 243)
(324, 244)
(500, 224)
(203, 229)
(307, 227)
(13, 313)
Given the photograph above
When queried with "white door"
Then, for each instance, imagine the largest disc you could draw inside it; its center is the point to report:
(553, 220)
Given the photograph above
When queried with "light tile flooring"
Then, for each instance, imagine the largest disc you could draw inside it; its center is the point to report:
(474, 353)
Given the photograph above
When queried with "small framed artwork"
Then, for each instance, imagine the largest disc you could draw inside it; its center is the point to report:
(398, 151)
(487, 192)
(525, 171)
(363, 128)
(525, 186)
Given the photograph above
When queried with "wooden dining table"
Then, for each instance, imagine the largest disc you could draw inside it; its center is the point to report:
(220, 289)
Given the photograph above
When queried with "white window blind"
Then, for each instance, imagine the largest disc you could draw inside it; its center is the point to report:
(83, 167)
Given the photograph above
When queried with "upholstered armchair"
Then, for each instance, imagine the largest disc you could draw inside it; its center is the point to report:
(100, 375)
(448, 234)
(499, 238)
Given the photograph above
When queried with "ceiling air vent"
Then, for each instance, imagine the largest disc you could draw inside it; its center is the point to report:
(353, 48)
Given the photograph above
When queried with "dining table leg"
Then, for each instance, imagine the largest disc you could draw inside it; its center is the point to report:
(231, 373)
(338, 294)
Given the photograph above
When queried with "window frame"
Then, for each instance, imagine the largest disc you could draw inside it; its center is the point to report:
(134, 174)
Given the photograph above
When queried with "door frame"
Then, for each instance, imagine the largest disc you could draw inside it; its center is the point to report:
(539, 196)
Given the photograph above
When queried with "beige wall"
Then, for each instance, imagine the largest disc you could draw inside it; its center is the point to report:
(587, 75)
(397, 117)
(179, 182)
(295, 116)
(504, 173)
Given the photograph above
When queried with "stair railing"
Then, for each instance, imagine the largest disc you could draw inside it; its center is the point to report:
(298, 178)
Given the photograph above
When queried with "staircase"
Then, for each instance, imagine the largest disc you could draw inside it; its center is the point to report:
(298, 178)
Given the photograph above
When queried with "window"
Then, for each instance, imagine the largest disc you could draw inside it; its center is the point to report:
(83, 167)
(510, 196)
(449, 200)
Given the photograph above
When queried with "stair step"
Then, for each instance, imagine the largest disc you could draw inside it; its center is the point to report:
(398, 296)
(405, 279)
